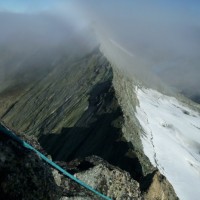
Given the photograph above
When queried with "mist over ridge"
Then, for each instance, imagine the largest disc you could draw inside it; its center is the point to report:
(162, 37)
(34, 42)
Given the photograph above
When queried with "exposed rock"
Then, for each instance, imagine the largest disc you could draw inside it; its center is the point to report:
(75, 198)
(105, 178)
(114, 183)
(131, 128)
(57, 177)
(160, 189)
(23, 175)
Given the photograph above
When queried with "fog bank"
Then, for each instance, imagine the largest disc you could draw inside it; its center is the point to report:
(158, 37)
(164, 37)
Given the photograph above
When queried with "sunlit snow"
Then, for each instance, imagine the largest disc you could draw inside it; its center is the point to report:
(171, 140)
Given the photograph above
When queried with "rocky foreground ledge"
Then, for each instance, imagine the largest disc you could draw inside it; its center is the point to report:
(23, 175)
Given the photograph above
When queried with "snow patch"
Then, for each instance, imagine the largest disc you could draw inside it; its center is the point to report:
(171, 140)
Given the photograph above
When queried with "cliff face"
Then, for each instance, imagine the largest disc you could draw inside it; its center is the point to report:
(80, 108)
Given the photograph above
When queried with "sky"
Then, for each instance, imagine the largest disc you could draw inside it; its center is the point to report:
(26, 5)
(163, 36)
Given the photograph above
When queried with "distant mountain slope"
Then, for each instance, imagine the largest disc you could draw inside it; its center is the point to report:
(49, 99)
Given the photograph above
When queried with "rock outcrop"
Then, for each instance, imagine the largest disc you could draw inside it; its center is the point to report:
(112, 182)
(159, 189)
(23, 175)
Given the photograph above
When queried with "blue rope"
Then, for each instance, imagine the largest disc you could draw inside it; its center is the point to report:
(28, 146)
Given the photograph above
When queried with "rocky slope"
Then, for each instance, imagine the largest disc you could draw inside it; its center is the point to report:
(23, 175)
(79, 110)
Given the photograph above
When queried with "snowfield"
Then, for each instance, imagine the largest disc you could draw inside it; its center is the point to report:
(171, 140)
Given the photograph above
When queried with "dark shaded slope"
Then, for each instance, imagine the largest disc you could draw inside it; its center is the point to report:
(23, 175)
(75, 113)
(97, 132)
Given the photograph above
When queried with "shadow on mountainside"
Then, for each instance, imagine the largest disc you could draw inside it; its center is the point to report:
(98, 132)
(80, 142)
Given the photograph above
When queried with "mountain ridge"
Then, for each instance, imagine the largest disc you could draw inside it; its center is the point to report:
(79, 105)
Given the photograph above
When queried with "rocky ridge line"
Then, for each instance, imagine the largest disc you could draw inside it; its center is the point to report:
(90, 113)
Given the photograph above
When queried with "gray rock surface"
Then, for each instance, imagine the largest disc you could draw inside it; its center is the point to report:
(23, 175)
(112, 182)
